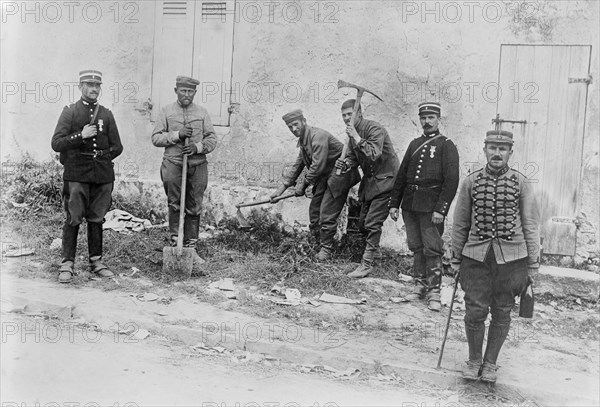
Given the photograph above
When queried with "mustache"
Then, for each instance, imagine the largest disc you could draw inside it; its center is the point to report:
(496, 157)
(427, 126)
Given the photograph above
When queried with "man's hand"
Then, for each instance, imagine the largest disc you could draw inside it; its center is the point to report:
(341, 165)
(437, 218)
(89, 131)
(190, 149)
(185, 132)
(299, 191)
(351, 132)
(530, 273)
(394, 214)
(278, 192)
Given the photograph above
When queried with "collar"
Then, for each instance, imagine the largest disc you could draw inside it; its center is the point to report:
(85, 102)
(501, 171)
(435, 133)
(303, 139)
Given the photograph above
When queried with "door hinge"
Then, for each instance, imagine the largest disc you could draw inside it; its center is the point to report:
(587, 80)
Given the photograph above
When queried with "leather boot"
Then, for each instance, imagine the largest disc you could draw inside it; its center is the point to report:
(419, 274)
(366, 265)
(324, 254)
(69, 248)
(475, 334)
(433, 266)
(497, 334)
(315, 238)
(488, 372)
(94, 231)
(173, 218)
(191, 225)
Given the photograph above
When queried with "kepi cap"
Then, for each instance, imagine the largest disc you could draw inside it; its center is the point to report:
(186, 81)
(90, 75)
(293, 115)
(499, 136)
(430, 107)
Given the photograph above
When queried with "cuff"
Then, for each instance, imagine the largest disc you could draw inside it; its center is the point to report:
(76, 138)
(200, 147)
(174, 137)
(535, 265)
(442, 207)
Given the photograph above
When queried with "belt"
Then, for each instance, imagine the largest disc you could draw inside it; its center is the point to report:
(416, 187)
(97, 153)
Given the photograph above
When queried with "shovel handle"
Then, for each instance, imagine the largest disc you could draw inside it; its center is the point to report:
(182, 201)
(277, 199)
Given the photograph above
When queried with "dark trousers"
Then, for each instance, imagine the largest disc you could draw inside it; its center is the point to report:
(422, 234)
(489, 287)
(372, 215)
(84, 200)
(324, 211)
(196, 182)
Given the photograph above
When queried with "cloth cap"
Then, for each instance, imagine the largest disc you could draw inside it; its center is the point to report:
(430, 107)
(499, 136)
(186, 82)
(90, 75)
(293, 115)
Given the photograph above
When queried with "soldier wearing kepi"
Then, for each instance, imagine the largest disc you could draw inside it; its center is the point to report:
(369, 146)
(87, 139)
(426, 184)
(495, 242)
(319, 150)
(177, 122)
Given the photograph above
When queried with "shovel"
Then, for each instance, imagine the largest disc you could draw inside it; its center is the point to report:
(242, 220)
(178, 261)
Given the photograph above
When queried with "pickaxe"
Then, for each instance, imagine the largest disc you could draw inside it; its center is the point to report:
(360, 91)
(244, 224)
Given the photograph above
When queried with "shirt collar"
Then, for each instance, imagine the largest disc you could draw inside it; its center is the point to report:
(85, 102)
(435, 133)
(501, 171)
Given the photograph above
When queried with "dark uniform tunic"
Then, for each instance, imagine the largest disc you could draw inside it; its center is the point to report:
(376, 156)
(319, 151)
(495, 237)
(426, 182)
(88, 169)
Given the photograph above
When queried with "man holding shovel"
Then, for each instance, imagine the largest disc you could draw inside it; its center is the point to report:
(495, 242)
(176, 123)
(319, 150)
(369, 146)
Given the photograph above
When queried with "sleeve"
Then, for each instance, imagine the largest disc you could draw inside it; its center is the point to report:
(114, 140)
(295, 172)
(462, 219)
(400, 182)
(161, 137)
(450, 171)
(350, 158)
(372, 145)
(209, 139)
(64, 137)
(530, 221)
(320, 152)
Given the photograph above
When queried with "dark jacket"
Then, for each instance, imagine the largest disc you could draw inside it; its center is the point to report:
(87, 160)
(427, 179)
(376, 156)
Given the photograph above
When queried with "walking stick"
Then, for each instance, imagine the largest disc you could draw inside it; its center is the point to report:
(439, 364)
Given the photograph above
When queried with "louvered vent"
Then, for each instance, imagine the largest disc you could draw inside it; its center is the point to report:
(174, 8)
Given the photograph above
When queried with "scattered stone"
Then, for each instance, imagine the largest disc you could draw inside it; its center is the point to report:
(225, 284)
(140, 334)
(56, 244)
(335, 299)
(204, 235)
(20, 252)
(148, 297)
(397, 300)
(593, 268)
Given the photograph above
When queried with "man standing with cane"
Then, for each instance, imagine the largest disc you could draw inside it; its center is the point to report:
(495, 240)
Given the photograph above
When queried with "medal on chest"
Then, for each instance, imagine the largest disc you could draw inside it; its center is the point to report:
(431, 151)
(100, 124)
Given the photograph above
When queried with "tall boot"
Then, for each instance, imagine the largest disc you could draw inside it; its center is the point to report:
(366, 265)
(419, 274)
(475, 333)
(433, 265)
(191, 226)
(94, 233)
(497, 334)
(69, 248)
(173, 218)
(315, 238)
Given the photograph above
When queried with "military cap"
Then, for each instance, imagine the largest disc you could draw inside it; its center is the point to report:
(499, 136)
(186, 81)
(430, 107)
(90, 75)
(293, 115)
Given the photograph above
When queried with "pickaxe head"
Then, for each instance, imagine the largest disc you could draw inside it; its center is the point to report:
(360, 89)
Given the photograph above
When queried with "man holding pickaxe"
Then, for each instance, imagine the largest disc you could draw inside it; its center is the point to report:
(369, 146)
(319, 150)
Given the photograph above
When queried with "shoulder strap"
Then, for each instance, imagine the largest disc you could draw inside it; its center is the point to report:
(425, 143)
(95, 113)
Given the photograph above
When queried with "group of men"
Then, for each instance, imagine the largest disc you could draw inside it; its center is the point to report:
(495, 236)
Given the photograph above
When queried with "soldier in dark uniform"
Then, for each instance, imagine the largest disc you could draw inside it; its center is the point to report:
(495, 242)
(319, 150)
(426, 185)
(87, 139)
(369, 146)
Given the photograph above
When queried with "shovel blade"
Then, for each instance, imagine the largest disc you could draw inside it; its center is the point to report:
(178, 264)
(244, 225)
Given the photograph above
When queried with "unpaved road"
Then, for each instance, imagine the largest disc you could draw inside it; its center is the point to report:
(57, 364)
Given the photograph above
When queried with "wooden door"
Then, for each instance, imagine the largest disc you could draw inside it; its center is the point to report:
(543, 102)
